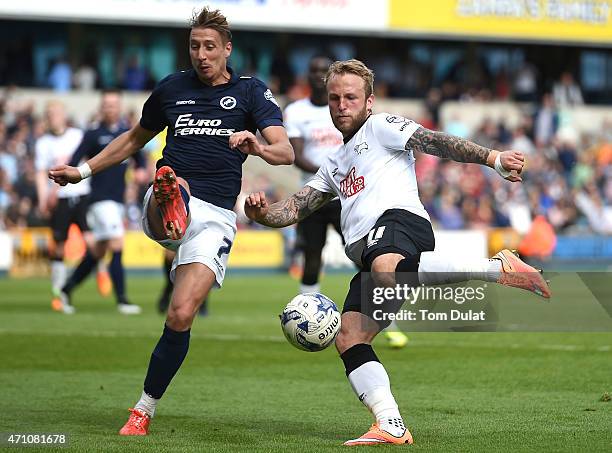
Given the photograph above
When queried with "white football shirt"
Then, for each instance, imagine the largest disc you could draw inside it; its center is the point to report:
(312, 123)
(54, 150)
(371, 173)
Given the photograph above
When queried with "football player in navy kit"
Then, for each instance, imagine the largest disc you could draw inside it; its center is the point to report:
(212, 115)
(106, 210)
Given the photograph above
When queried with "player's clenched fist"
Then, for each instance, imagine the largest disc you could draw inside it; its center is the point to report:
(256, 206)
(64, 174)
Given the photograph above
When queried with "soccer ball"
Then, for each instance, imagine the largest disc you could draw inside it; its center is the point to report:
(310, 322)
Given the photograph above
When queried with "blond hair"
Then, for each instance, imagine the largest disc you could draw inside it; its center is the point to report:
(356, 67)
(214, 19)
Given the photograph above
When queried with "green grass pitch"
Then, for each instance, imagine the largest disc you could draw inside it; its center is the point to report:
(244, 388)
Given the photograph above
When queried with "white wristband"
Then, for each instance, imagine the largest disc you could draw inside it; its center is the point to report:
(499, 168)
(84, 170)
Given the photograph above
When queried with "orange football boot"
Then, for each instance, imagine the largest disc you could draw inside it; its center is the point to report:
(137, 424)
(104, 283)
(171, 204)
(376, 436)
(518, 274)
(56, 304)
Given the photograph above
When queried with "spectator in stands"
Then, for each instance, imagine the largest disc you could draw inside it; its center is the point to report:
(135, 77)
(526, 83)
(546, 122)
(567, 92)
(85, 77)
(60, 75)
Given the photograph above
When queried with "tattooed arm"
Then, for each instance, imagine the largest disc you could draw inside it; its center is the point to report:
(286, 212)
(458, 149)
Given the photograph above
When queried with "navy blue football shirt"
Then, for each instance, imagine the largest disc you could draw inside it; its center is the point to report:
(200, 119)
(110, 183)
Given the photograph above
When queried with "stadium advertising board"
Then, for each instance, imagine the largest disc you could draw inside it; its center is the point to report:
(533, 20)
(330, 15)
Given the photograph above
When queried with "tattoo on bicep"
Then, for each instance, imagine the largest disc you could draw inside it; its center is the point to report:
(447, 146)
(297, 207)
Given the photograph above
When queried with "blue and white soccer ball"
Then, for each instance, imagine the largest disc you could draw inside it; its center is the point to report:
(310, 322)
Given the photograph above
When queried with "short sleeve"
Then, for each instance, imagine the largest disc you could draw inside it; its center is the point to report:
(153, 118)
(322, 179)
(265, 110)
(393, 131)
(292, 122)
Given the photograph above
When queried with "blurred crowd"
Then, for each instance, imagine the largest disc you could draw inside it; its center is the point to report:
(568, 179)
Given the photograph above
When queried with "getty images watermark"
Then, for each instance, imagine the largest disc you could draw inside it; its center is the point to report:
(412, 296)
(580, 302)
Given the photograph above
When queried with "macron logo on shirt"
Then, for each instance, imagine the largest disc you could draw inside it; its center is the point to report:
(352, 185)
(188, 101)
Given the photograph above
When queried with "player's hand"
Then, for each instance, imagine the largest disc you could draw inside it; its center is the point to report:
(256, 206)
(246, 142)
(513, 161)
(64, 174)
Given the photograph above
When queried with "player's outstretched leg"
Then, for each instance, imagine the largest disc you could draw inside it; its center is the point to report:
(505, 268)
(192, 284)
(173, 201)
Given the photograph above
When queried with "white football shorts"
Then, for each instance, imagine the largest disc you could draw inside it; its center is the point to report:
(208, 239)
(105, 218)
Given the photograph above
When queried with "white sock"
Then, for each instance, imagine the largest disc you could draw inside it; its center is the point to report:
(435, 269)
(309, 288)
(371, 384)
(58, 276)
(147, 404)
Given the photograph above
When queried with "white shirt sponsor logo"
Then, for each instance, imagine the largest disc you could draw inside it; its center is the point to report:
(188, 101)
(186, 125)
(227, 102)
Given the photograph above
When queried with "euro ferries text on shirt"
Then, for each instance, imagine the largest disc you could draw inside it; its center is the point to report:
(186, 125)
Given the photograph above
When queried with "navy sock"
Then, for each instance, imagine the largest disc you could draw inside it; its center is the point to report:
(185, 196)
(117, 275)
(84, 268)
(165, 361)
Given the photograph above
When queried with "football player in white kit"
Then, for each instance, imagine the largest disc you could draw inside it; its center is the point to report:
(313, 136)
(386, 228)
(64, 205)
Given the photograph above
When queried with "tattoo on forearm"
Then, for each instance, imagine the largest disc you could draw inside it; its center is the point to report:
(295, 208)
(447, 146)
